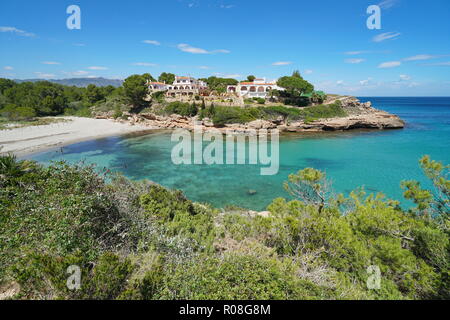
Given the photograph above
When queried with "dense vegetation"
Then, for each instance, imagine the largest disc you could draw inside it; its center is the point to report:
(296, 91)
(138, 240)
(222, 115)
(26, 100)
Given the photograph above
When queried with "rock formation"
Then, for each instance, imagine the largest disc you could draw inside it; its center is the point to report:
(359, 116)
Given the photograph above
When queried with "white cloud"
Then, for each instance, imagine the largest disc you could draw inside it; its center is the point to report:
(354, 53)
(235, 75)
(228, 6)
(17, 31)
(222, 75)
(420, 57)
(144, 64)
(282, 63)
(153, 42)
(50, 62)
(340, 82)
(308, 71)
(413, 84)
(389, 64)
(188, 48)
(405, 77)
(387, 4)
(386, 36)
(8, 68)
(440, 64)
(365, 82)
(97, 68)
(43, 75)
(79, 44)
(204, 67)
(354, 61)
(221, 51)
(78, 73)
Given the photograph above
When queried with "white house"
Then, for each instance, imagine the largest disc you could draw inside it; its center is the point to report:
(184, 86)
(259, 88)
(157, 86)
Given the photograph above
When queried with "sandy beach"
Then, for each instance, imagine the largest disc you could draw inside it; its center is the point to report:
(26, 140)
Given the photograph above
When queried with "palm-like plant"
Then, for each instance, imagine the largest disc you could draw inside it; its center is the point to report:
(11, 168)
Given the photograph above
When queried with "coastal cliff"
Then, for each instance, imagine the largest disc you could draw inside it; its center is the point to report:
(358, 116)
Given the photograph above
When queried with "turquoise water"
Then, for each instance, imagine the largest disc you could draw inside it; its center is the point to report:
(377, 160)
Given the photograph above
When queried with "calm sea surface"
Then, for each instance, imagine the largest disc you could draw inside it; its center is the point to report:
(377, 160)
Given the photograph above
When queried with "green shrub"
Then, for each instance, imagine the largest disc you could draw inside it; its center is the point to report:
(181, 108)
(117, 114)
(227, 115)
(159, 96)
(15, 113)
(59, 209)
(273, 112)
(179, 215)
(138, 240)
(43, 276)
(236, 277)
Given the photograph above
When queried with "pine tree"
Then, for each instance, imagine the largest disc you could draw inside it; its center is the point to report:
(211, 110)
(194, 110)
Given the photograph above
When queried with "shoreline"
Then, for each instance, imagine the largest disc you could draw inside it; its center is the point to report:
(31, 140)
(26, 141)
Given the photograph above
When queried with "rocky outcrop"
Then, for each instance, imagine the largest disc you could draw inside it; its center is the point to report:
(376, 120)
(261, 124)
(359, 116)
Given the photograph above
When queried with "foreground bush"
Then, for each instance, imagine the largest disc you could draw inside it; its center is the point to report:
(141, 241)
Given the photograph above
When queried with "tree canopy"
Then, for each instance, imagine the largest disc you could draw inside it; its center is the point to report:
(295, 84)
(136, 90)
(166, 77)
(44, 98)
(219, 84)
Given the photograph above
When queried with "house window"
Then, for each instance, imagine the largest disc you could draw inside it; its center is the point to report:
(244, 89)
(252, 89)
(261, 89)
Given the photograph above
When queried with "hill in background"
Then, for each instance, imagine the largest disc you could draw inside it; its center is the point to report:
(80, 82)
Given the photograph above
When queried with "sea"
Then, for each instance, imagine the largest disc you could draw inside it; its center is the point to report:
(376, 160)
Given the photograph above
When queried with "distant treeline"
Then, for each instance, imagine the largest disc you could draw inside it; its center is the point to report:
(80, 82)
(19, 101)
(27, 100)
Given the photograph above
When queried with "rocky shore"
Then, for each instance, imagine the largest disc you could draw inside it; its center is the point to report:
(359, 116)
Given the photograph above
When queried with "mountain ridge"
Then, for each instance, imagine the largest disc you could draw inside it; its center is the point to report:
(79, 82)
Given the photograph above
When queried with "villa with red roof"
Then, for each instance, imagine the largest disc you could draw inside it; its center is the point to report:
(182, 86)
(259, 88)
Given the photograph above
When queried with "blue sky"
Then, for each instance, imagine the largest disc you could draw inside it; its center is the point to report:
(327, 40)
